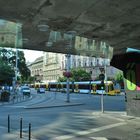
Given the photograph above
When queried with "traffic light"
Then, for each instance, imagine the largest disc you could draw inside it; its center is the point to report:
(101, 76)
(102, 85)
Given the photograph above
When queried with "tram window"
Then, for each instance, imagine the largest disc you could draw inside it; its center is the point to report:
(64, 85)
(111, 87)
(43, 86)
(71, 86)
(53, 86)
(99, 87)
(84, 86)
(59, 86)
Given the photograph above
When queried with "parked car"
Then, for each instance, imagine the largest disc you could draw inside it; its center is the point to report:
(26, 90)
(41, 90)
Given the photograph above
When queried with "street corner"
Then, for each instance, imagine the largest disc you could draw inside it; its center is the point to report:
(110, 115)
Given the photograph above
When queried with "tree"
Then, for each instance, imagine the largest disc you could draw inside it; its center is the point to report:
(119, 78)
(8, 57)
(62, 79)
(77, 75)
(80, 75)
(22, 67)
(31, 79)
(6, 73)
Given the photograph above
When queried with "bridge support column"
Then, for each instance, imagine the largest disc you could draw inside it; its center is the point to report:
(129, 63)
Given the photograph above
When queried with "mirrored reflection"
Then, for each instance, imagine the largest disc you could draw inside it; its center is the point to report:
(10, 34)
(81, 45)
(59, 42)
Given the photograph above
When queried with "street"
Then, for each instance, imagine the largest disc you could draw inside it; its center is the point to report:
(52, 118)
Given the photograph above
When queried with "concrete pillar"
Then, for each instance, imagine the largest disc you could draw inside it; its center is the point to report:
(129, 63)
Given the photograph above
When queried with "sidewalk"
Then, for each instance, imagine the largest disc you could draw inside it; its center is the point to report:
(17, 99)
(13, 135)
(121, 118)
(122, 123)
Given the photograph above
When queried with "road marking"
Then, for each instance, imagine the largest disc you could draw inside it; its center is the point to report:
(115, 118)
(98, 138)
(14, 106)
(3, 127)
(108, 116)
(94, 130)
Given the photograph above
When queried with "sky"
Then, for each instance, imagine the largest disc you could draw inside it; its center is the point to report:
(32, 55)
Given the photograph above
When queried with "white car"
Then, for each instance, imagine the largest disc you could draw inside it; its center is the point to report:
(26, 90)
(41, 90)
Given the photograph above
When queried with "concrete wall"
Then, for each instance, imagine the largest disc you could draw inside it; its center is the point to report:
(133, 103)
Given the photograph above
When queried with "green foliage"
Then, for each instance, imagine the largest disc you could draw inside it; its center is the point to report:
(80, 75)
(77, 75)
(62, 79)
(8, 64)
(23, 69)
(6, 73)
(119, 77)
(31, 79)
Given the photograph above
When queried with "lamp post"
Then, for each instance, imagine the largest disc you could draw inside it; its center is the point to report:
(16, 70)
(68, 55)
(103, 78)
(16, 45)
(67, 70)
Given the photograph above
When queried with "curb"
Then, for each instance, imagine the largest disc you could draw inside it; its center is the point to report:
(51, 106)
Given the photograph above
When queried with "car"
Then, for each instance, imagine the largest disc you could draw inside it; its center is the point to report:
(41, 90)
(26, 90)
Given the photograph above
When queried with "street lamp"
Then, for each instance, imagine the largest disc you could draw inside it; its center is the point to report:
(18, 30)
(103, 78)
(68, 55)
(16, 71)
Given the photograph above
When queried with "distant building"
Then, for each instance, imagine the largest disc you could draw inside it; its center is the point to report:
(36, 69)
(52, 65)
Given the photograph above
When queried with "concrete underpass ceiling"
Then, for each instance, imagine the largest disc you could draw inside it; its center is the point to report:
(117, 22)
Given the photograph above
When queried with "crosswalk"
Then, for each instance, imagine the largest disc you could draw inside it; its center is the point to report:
(90, 131)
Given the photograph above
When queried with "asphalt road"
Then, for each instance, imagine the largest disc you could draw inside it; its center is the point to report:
(78, 122)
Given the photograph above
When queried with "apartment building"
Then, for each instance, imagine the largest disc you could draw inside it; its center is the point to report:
(52, 65)
(36, 69)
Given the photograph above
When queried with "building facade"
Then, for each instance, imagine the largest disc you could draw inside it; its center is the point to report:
(51, 66)
(36, 69)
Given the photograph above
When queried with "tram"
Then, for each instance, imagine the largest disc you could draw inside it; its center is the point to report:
(92, 87)
(39, 85)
